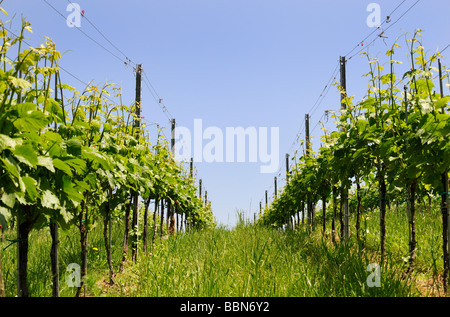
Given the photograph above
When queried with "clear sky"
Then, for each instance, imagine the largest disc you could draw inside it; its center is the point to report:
(231, 63)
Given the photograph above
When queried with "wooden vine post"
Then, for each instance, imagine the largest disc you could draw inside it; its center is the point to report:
(54, 234)
(171, 209)
(137, 126)
(266, 199)
(344, 197)
(309, 207)
(275, 188)
(444, 205)
(23, 225)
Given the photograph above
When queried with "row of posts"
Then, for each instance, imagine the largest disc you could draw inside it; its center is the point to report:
(309, 204)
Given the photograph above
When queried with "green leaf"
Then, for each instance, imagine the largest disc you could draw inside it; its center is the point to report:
(412, 172)
(52, 137)
(19, 82)
(425, 105)
(24, 109)
(49, 200)
(65, 215)
(91, 179)
(7, 142)
(5, 216)
(52, 142)
(62, 166)
(34, 121)
(11, 167)
(362, 125)
(30, 186)
(73, 147)
(68, 188)
(9, 199)
(96, 157)
(83, 185)
(442, 102)
(77, 164)
(26, 154)
(47, 162)
(386, 148)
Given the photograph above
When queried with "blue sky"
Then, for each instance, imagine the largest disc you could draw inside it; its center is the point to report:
(251, 63)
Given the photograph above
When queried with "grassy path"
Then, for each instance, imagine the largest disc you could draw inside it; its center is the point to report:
(244, 261)
(256, 262)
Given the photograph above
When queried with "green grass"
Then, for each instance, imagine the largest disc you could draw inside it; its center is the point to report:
(39, 265)
(429, 255)
(254, 261)
(246, 261)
